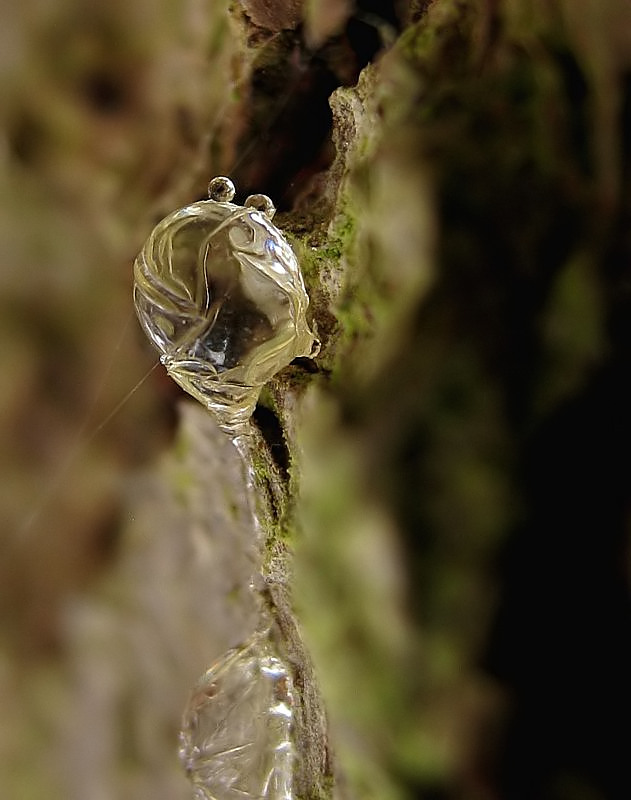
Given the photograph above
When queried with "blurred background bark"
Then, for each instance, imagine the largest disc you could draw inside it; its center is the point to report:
(451, 472)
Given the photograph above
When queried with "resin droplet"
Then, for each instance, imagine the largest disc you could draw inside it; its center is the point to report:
(219, 293)
(236, 735)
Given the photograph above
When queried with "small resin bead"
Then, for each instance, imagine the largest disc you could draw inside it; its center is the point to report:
(221, 190)
(262, 203)
(219, 293)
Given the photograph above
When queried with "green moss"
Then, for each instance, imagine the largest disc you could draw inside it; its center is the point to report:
(478, 354)
(317, 252)
(272, 502)
(424, 39)
(573, 333)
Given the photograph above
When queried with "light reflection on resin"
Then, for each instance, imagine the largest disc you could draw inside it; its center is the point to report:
(236, 735)
(219, 293)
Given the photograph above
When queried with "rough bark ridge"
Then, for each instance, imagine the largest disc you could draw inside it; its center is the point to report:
(443, 491)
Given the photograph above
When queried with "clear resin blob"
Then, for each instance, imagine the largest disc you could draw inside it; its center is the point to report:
(236, 735)
(219, 293)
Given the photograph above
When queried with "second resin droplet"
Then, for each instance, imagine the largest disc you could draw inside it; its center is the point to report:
(236, 735)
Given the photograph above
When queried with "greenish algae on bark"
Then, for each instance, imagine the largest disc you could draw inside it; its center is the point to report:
(475, 309)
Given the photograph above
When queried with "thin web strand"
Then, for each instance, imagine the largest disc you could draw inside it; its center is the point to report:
(75, 451)
(82, 440)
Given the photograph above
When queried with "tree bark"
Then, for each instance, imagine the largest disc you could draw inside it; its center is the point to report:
(443, 491)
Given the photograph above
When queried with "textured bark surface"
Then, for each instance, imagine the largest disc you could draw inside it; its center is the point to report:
(444, 491)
